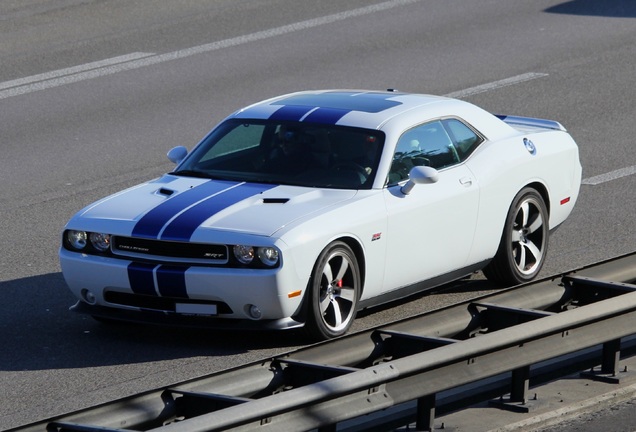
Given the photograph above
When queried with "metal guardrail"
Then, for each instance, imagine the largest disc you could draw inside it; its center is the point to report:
(412, 360)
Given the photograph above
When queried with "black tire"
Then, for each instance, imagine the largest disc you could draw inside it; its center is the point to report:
(524, 242)
(333, 292)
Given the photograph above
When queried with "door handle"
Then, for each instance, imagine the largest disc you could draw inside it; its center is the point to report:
(466, 181)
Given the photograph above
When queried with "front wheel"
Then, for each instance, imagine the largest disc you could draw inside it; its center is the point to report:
(524, 243)
(334, 288)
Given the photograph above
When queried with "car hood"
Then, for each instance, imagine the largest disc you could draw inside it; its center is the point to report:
(182, 208)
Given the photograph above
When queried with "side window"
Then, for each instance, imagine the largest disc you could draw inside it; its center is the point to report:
(464, 138)
(436, 145)
(428, 144)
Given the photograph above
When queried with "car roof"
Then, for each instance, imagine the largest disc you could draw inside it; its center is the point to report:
(360, 108)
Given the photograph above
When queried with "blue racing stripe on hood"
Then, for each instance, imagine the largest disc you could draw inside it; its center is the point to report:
(183, 226)
(151, 224)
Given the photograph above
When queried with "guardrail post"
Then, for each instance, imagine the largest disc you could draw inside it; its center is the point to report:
(518, 399)
(425, 417)
(609, 372)
(520, 385)
(611, 357)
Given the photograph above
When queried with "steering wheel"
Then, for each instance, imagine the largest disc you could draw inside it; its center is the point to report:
(414, 155)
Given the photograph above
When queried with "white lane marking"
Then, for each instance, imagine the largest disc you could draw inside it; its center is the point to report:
(73, 70)
(612, 175)
(139, 59)
(112, 66)
(496, 85)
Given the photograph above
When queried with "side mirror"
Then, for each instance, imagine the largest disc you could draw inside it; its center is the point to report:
(420, 175)
(177, 154)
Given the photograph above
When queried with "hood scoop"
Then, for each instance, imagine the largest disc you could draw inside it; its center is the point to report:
(275, 200)
(164, 191)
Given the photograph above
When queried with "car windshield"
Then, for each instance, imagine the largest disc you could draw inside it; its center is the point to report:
(291, 153)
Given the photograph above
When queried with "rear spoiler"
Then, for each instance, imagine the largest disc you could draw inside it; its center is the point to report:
(532, 122)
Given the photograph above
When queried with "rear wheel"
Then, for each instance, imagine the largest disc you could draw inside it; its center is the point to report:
(524, 243)
(333, 294)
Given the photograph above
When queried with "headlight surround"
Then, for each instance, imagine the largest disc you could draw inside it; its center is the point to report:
(100, 241)
(77, 240)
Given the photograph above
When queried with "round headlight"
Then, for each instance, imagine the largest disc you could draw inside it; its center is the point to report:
(244, 254)
(268, 256)
(76, 239)
(100, 241)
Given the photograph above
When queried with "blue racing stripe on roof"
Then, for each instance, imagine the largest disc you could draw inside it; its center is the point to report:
(330, 107)
(348, 101)
(326, 115)
(290, 113)
(171, 281)
(184, 225)
(151, 224)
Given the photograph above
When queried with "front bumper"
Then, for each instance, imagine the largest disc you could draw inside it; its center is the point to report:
(180, 320)
(123, 289)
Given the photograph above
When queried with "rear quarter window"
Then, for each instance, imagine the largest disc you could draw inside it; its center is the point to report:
(464, 138)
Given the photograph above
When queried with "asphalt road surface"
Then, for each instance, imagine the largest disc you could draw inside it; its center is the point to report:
(94, 93)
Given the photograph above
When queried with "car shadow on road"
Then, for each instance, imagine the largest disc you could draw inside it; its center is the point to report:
(39, 332)
(35, 322)
(605, 8)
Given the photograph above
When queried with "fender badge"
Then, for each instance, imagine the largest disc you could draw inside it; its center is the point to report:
(376, 237)
(530, 146)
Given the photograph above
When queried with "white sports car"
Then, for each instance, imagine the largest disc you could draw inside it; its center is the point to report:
(300, 210)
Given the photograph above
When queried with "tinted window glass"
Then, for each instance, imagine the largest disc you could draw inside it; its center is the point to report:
(293, 153)
(465, 139)
(428, 144)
